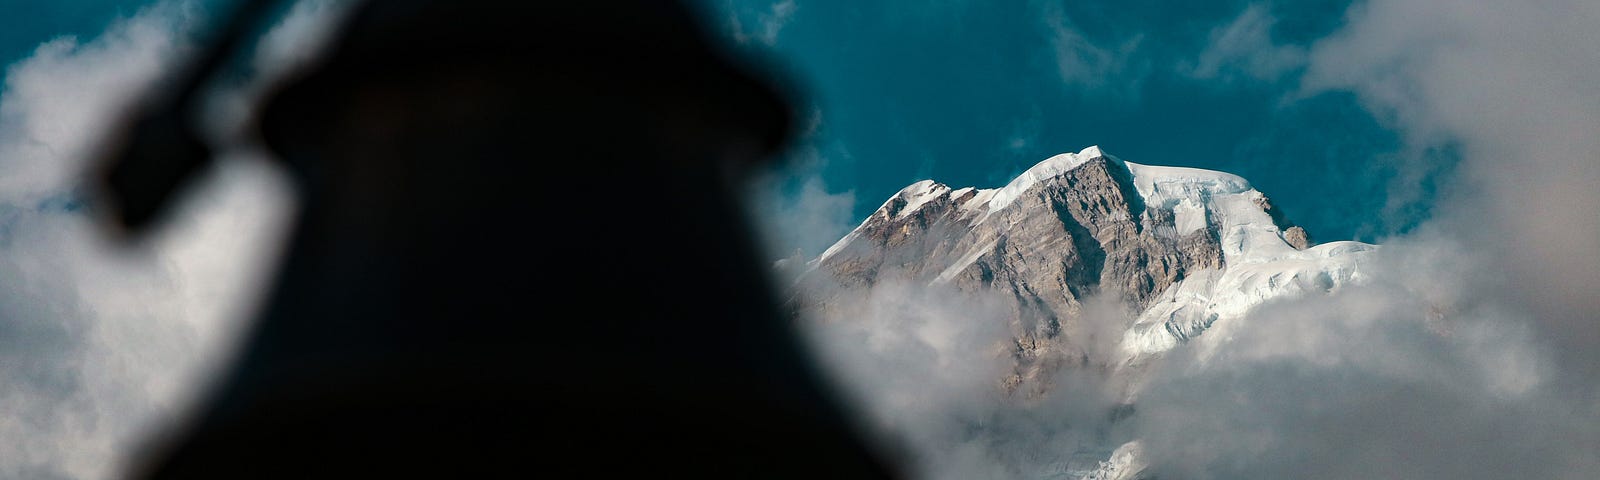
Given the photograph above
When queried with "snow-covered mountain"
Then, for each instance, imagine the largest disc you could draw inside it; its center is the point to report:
(1101, 264)
(1184, 248)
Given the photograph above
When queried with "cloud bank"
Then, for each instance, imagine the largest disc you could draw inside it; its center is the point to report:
(1512, 84)
(924, 363)
(105, 344)
(1424, 372)
(1472, 351)
(1476, 352)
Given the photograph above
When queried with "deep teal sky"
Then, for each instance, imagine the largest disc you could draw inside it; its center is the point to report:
(969, 92)
(24, 24)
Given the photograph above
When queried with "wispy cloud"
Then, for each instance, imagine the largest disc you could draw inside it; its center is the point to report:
(795, 208)
(1426, 371)
(761, 25)
(1244, 47)
(1024, 133)
(1510, 83)
(924, 365)
(1472, 352)
(1085, 64)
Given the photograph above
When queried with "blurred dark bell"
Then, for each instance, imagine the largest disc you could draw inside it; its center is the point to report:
(519, 254)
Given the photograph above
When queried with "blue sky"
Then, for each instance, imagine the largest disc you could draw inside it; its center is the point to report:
(28, 23)
(972, 93)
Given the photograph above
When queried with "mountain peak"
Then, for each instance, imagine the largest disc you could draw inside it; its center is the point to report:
(1087, 262)
(1183, 247)
(1093, 151)
(1049, 168)
(915, 196)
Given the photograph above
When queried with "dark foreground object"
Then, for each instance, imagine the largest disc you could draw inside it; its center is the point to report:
(518, 256)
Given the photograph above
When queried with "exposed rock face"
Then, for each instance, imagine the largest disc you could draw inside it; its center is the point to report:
(1091, 263)
(1063, 239)
(1074, 227)
(1297, 238)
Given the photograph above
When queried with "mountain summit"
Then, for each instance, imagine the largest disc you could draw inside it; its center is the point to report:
(1080, 273)
(1180, 251)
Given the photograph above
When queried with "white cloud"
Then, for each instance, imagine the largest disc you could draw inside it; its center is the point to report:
(812, 218)
(924, 365)
(1244, 46)
(1024, 133)
(793, 207)
(1474, 352)
(768, 23)
(69, 87)
(105, 343)
(1473, 348)
(1424, 372)
(1082, 63)
(73, 391)
(1511, 83)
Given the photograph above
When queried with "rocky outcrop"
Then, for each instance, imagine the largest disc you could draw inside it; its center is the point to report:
(1297, 238)
(1063, 239)
(1094, 263)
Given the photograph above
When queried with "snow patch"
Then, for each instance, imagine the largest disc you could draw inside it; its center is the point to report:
(1050, 168)
(1166, 186)
(837, 246)
(918, 194)
(1189, 216)
(1202, 299)
(964, 262)
(1126, 463)
(979, 201)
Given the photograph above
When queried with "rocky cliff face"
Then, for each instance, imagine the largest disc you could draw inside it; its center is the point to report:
(1173, 250)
